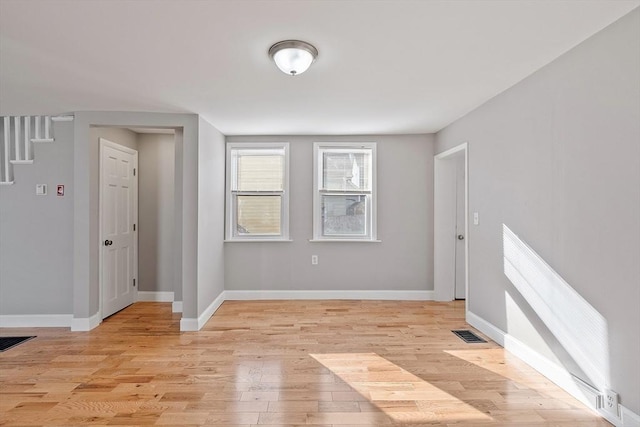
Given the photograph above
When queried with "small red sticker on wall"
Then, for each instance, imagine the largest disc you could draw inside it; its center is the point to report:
(60, 191)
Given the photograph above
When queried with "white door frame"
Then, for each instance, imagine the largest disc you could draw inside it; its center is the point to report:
(443, 288)
(107, 143)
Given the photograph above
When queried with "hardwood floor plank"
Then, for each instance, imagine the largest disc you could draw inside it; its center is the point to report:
(278, 363)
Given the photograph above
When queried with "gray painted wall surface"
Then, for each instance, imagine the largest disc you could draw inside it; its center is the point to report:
(36, 248)
(66, 259)
(85, 237)
(156, 218)
(557, 159)
(404, 259)
(211, 155)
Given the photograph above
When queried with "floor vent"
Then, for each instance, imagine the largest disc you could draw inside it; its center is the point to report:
(468, 336)
(8, 342)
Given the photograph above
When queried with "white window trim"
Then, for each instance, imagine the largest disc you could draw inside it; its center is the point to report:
(229, 211)
(317, 203)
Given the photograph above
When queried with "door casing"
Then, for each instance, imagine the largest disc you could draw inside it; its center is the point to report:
(444, 222)
(460, 290)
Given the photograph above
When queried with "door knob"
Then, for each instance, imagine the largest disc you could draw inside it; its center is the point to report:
(108, 242)
(460, 237)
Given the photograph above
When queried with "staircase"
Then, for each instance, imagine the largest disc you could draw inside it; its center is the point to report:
(17, 136)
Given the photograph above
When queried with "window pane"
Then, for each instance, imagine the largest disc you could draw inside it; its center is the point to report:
(344, 215)
(258, 215)
(346, 170)
(260, 172)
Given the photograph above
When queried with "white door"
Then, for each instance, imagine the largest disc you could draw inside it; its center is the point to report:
(118, 218)
(449, 219)
(460, 236)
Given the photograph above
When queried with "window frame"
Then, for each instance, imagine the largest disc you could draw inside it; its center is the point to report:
(319, 148)
(231, 225)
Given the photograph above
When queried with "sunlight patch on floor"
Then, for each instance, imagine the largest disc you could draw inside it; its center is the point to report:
(401, 395)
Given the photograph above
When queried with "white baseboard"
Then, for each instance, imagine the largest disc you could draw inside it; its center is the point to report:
(79, 324)
(344, 295)
(36, 320)
(155, 296)
(191, 324)
(582, 391)
(629, 419)
(176, 307)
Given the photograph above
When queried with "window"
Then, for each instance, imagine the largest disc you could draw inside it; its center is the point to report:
(344, 205)
(257, 191)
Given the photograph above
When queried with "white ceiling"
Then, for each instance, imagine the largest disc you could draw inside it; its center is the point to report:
(384, 66)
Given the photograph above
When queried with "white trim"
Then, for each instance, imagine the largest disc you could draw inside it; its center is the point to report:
(485, 327)
(464, 147)
(407, 295)
(451, 151)
(371, 226)
(80, 324)
(27, 138)
(585, 393)
(6, 142)
(157, 296)
(546, 367)
(344, 240)
(41, 140)
(256, 240)
(176, 307)
(67, 118)
(17, 128)
(231, 170)
(35, 320)
(629, 418)
(21, 162)
(189, 324)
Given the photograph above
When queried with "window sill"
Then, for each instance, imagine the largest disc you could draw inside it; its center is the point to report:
(344, 240)
(258, 240)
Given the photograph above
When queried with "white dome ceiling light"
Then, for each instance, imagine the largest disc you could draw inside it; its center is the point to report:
(293, 57)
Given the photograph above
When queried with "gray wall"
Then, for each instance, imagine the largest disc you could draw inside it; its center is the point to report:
(156, 218)
(404, 259)
(85, 279)
(36, 248)
(211, 155)
(57, 255)
(557, 159)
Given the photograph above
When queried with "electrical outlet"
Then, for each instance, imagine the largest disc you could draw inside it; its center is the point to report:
(314, 259)
(611, 402)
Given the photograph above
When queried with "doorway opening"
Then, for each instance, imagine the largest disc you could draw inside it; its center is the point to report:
(451, 228)
(155, 269)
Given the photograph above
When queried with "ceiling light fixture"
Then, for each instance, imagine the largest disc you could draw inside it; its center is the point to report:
(293, 57)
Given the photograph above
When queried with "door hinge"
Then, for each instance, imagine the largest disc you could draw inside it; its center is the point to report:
(134, 227)
(134, 283)
(134, 171)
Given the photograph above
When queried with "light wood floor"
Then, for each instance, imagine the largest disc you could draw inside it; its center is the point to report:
(277, 363)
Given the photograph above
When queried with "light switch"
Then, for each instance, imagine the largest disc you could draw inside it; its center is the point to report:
(41, 189)
(476, 218)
